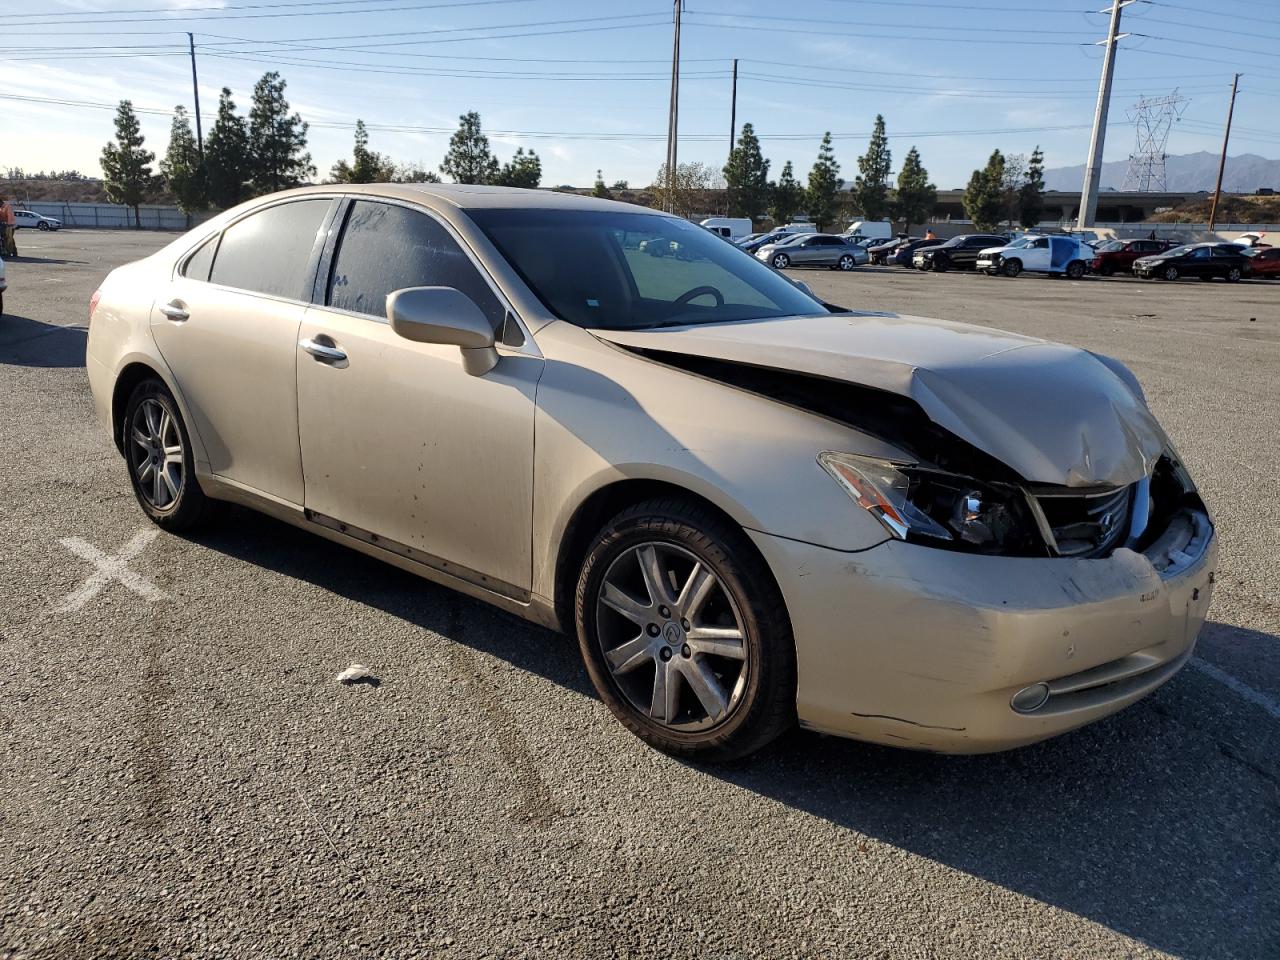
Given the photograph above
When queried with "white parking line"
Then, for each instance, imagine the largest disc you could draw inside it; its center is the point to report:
(109, 568)
(1237, 687)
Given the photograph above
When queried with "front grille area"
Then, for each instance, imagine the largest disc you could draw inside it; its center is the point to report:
(1087, 525)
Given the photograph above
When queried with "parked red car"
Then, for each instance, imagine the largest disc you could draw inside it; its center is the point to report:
(1117, 256)
(1264, 262)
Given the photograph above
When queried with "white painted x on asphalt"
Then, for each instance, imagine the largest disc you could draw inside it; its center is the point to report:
(109, 568)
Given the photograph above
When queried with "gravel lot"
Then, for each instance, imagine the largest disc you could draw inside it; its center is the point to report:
(186, 778)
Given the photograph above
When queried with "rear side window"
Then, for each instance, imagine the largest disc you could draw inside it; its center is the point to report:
(269, 251)
(198, 264)
(386, 247)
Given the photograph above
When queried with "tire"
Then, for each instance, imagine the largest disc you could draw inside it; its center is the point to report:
(1233, 275)
(941, 264)
(1075, 270)
(1012, 267)
(177, 503)
(991, 271)
(847, 263)
(781, 261)
(42, 226)
(754, 693)
(1170, 273)
(1107, 269)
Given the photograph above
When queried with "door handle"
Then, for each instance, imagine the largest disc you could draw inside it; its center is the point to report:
(175, 311)
(323, 352)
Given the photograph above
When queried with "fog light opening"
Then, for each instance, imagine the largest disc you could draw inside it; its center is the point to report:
(1029, 699)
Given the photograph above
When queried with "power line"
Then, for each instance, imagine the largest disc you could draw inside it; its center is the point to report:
(178, 18)
(569, 134)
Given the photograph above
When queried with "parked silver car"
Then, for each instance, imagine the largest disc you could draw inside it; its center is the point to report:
(749, 508)
(813, 250)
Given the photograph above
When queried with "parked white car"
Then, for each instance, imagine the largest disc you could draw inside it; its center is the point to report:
(1067, 256)
(25, 218)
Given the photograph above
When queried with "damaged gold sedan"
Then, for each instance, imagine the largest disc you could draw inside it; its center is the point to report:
(752, 508)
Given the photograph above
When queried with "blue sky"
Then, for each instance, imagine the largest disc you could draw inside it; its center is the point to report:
(585, 84)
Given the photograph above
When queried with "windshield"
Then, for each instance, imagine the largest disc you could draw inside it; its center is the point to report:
(1021, 242)
(1110, 246)
(1179, 251)
(622, 271)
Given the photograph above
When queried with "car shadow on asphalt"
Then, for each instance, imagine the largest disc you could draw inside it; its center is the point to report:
(54, 261)
(1157, 823)
(274, 545)
(25, 342)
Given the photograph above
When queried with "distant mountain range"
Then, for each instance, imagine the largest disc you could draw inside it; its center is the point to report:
(1186, 172)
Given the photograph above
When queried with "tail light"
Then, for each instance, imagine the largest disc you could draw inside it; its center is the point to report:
(93, 302)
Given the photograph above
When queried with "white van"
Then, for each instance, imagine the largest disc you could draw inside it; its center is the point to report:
(729, 227)
(798, 228)
(869, 228)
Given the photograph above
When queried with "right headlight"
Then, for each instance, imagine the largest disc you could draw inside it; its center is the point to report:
(923, 505)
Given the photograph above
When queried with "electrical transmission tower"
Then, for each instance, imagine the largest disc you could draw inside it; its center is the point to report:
(1152, 118)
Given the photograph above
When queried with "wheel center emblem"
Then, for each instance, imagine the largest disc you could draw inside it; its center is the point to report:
(672, 634)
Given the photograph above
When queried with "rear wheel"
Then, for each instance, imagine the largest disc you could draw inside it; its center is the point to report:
(1012, 267)
(684, 632)
(157, 450)
(1075, 269)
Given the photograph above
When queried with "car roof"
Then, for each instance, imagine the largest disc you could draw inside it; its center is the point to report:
(474, 196)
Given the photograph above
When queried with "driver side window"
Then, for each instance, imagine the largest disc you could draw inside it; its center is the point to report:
(386, 247)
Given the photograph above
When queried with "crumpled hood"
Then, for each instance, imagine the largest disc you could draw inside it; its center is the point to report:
(1053, 413)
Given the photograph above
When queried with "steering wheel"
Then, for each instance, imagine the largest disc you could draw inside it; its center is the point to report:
(696, 292)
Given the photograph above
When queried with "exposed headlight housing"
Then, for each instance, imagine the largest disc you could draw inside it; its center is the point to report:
(923, 505)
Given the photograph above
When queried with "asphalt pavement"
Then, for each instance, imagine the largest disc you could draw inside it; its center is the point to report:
(185, 777)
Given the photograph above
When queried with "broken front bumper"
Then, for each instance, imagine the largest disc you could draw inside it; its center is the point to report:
(925, 648)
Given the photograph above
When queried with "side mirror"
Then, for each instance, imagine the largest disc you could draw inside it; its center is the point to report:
(445, 315)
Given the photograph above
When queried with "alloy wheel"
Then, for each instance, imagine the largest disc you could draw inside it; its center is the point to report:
(1171, 273)
(846, 262)
(156, 454)
(781, 261)
(672, 637)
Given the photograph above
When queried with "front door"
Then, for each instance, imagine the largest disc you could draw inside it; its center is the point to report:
(400, 445)
(227, 325)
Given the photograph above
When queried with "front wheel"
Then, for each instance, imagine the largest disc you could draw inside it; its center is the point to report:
(781, 261)
(157, 450)
(1107, 269)
(42, 226)
(847, 262)
(1012, 268)
(1170, 273)
(940, 264)
(684, 632)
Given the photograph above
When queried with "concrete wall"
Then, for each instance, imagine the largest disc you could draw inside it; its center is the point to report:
(114, 216)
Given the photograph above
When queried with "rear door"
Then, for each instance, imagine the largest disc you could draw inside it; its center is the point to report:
(227, 325)
(400, 445)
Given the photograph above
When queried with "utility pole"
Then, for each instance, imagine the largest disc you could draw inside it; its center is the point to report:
(1222, 162)
(673, 113)
(733, 107)
(195, 89)
(1093, 170)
